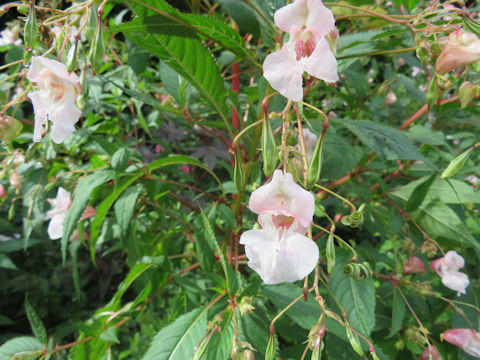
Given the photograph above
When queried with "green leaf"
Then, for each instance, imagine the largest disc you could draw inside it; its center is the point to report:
(124, 207)
(243, 15)
(398, 312)
(120, 159)
(7, 263)
(204, 246)
(357, 298)
(35, 322)
(389, 143)
(419, 193)
(110, 335)
(178, 340)
(82, 195)
(20, 347)
(194, 62)
(440, 222)
(449, 192)
(221, 344)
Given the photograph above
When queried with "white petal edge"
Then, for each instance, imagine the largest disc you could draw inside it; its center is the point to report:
(322, 64)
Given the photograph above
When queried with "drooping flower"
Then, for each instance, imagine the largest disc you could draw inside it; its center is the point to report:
(461, 48)
(307, 22)
(8, 37)
(282, 196)
(60, 204)
(447, 267)
(467, 339)
(54, 99)
(414, 265)
(279, 251)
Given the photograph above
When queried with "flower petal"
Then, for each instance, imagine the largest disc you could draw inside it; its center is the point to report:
(284, 73)
(292, 17)
(457, 281)
(55, 227)
(63, 118)
(57, 68)
(282, 196)
(453, 260)
(322, 64)
(320, 19)
(40, 109)
(458, 337)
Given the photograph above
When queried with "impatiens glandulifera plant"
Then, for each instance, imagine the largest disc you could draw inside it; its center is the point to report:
(246, 180)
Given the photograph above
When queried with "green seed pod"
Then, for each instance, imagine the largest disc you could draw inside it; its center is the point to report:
(466, 93)
(91, 23)
(353, 338)
(317, 352)
(31, 28)
(82, 102)
(11, 211)
(59, 40)
(315, 166)
(239, 172)
(374, 356)
(271, 348)
(432, 93)
(269, 148)
(456, 164)
(72, 57)
(27, 55)
(330, 250)
(9, 128)
(97, 48)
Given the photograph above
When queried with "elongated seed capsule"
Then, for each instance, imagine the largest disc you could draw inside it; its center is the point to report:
(31, 28)
(269, 148)
(330, 250)
(456, 164)
(353, 338)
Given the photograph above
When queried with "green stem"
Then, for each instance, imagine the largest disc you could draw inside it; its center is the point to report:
(382, 52)
(348, 202)
(355, 256)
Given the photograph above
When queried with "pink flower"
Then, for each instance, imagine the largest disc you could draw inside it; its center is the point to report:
(414, 265)
(307, 22)
(60, 204)
(466, 339)
(54, 99)
(430, 353)
(279, 251)
(461, 48)
(447, 267)
(282, 196)
(3, 193)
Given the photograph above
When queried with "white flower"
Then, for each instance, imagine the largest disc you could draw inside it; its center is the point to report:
(7, 37)
(279, 252)
(307, 22)
(54, 99)
(447, 267)
(60, 204)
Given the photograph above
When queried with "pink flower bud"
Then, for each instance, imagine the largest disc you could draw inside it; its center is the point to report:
(430, 351)
(390, 98)
(16, 180)
(466, 339)
(461, 48)
(3, 193)
(414, 265)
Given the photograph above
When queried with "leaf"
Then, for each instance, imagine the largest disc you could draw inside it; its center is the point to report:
(7, 263)
(20, 347)
(398, 312)
(120, 159)
(243, 15)
(178, 340)
(449, 192)
(110, 335)
(82, 195)
(389, 143)
(133, 275)
(124, 207)
(193, 61)
(440, 222)
(419, 193)
(221, 343)
(204, 246)
(304, 313)
(356, 297)
(35, 322)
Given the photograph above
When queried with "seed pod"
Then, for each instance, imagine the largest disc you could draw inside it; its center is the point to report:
(72, 57)
(271, 347)
(9, 128)
(31, 28)
(239, 172)
(374, 356)
(91, 23)
(59, 40)
(269, 148)
(466, 93)
(315, 166)
(456, 164)
(432, 93)
(330, 249)
(353, 338)
(97, 47)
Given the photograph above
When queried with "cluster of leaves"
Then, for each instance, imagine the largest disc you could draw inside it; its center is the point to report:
(158, 273)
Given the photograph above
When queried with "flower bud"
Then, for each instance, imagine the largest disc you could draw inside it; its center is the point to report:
(16, 180)
(59, 38)
(315, 166)
(456, 164)
(390, 98)
(432, 92)
(97, 47)
(355, 219)
(239, 172)
(91, 23)
(430, 353)
(31, 28)
(414, 265)
(358, 271)
(9, 128)
(353, 338)
(461, 48)
(271, 347)
(3, 192)
(467, 92)
(330, 249)
(269, 148)
(82, 102)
